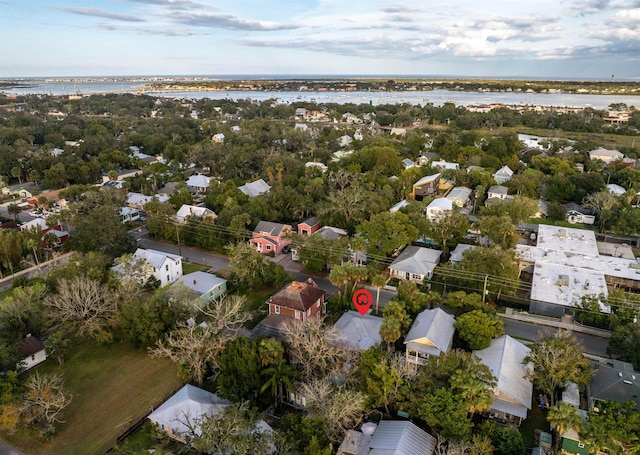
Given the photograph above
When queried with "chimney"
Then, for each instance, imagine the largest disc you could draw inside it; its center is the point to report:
(194, 281)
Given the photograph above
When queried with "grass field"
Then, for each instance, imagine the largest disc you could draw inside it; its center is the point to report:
(190, 267)
(112, 386)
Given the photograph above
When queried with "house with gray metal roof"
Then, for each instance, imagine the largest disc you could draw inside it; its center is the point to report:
(415, 263)
(396, 437)
(359, 331)
(164, 267)
(256, 188)
(512, 395)
(431, 334)
(205, 286)
(176, 415)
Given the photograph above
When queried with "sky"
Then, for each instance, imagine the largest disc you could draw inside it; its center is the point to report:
(459, 38)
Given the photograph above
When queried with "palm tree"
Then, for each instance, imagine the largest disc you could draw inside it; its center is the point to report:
(279, 378)
(14, 210)
(33, 245)
(563, 416)
(378, 281)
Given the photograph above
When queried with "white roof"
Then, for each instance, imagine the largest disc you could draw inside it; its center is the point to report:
(192, 210)
(154, 257)
(198, 181)
(504, 170)
(431, 332)
(189, 402)
(34, 223)
(616, 189)
(566, 285)
(255, 188)
(320, 166)
(442, 164)
(461, 193)
(427, 179)
(403, 203)
(441, 203)
(578, 241)
(201, 282)
(458, 251)
(361, 332)
(415, 259)
(606, 152)
(124, 211)
(397, 437)
(504, 357)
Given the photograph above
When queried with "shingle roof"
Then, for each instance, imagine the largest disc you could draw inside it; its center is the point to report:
(615, 381)
(360, 332)
(504, 357)
(395, 437)
(297, 296)
(415, 259)
(270, 228)
(431, 332)
(30, 345)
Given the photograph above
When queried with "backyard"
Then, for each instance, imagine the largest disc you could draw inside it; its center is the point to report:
(113, 386)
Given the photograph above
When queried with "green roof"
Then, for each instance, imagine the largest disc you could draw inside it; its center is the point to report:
(571, 446)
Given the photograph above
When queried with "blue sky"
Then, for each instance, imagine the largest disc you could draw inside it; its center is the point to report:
(479, 38)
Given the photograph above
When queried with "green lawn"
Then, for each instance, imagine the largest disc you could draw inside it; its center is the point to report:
(190, 267)
(112, 386)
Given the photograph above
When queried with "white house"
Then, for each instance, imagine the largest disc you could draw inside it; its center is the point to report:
(415, 264)
(460, 195)
(512, 395)
(198, 183)
(129, 214)
(606, 155)
(430, 335)
(444, 165)
(219, 138)
(345, 140)
(198, 212)
(398, 206)
(497, 192)
(33, 352)
(436, 208)
(164, 267)
(503, 174)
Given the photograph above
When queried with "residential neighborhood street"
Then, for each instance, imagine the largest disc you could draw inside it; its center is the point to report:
(526, 331)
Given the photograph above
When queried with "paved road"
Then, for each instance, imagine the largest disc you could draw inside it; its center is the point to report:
(591, 344)
(524, 330)
(219, 262)
(6, 449)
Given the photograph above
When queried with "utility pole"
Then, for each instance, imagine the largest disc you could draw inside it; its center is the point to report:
(484, 290)
(178, 238)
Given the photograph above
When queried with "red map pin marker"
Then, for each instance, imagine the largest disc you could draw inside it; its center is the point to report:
(362, 300)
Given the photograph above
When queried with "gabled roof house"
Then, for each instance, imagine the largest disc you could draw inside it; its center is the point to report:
(298, 301)
(430, 335)
(205, 286)
(502, 175)
(415, 264)
(178, 414)
(198, 183)
(270, 237)
(513, 393)
(359, 331)
(202, 213)
(253, 189)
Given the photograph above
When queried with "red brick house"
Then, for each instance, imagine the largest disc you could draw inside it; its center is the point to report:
(298, 301)
(309, 226)
(268, 237)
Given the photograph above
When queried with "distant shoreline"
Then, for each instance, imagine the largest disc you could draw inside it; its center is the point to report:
(345, 84)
